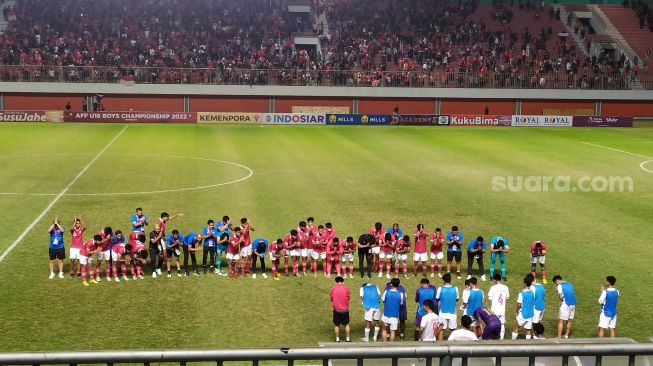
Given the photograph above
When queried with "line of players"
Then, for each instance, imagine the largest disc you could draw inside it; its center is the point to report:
(436, 309)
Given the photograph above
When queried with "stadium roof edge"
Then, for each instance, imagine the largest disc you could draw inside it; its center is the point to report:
(321, 92)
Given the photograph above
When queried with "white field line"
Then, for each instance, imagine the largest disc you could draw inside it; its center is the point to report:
(58, 197)
(621, 151)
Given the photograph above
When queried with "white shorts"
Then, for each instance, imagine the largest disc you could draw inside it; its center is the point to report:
(390, 322)
(306, 252)
(272, 257)
(85, 260)
(524, 323)
(347, 257)
(537, 315)
(233, 257)
(74, 253)
(420, 257)
(372, 314)
(606, 322)
(105, 255)
(295, 253)
(567, 312)
(383, 255)
(245, 251)
(375, 250)
(401, 258)
(317, 255)
(437, 255)
(539, 259)
(502, 318)
(115, 256)
(448, 321)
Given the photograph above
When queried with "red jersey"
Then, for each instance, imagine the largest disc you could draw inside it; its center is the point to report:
(234, 245)
(162, 225)
(330, 234)
(303, 237)
(379, 235)
(388, 246)
(277, 249)
(106, 240)
(403, 247)
(348, 248)
(290, 243)
(420, 241)
(436, 243)
(87, 247)
(333, 249)
(77, 237)
(245, 235)
(118, 251)
(535, 252)
(320, 242)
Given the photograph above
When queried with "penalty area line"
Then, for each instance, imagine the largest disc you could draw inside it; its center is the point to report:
(61, 194)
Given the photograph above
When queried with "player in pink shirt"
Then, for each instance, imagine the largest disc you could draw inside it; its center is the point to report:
(330, 231)
(76, 242)
(104, 253)
(233, 252)
(402, 249)
(333, 252)
(319, 250)
(120, 253)
(419, 254)
(437, 239)
(375, 250)
(246, 250)
(138, 255)
(89, 248)
(277, 250)
(293, 249)
(386, 254)
(304, 237)
(347, 256)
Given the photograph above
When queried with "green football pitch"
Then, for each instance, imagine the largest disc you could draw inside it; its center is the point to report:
(276, 176)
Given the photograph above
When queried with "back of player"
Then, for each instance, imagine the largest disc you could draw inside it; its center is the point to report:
(371, 298)
(498, 295)
(448, 296)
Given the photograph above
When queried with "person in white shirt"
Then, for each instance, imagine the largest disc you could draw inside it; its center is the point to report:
(430, 327)
(498, 295)
(463, 334)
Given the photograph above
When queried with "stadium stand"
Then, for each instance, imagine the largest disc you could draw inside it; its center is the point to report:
(413, 43)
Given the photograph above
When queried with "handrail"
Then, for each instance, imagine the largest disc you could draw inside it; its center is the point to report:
(428, 350)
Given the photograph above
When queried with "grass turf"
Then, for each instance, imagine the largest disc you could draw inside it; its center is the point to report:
(351, 176)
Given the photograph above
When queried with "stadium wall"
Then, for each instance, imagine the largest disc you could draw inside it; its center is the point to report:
(282, 99)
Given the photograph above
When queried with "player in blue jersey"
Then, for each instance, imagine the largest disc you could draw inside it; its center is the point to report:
(454, 240)
(392, 300)
(608, 300)
(540, 303)
(525, 309)
(447, 296)
(139, 221)
(192, 245)
(56, 246)
(475, 250)
(498, 248)
(174, 244)
(567, 306)
(371, 298)
(259, 249)
(489, 324)
(426, 291)
(210, 235)
(473, 301)
(403, 313)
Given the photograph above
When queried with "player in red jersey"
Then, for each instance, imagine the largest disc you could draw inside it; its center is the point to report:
(304, 236)
(347, 256)
(330, 231)
(90, 247)
(104, 253)
(419, 252)
(319, 251)
(333, 252)
(138, 255)
(246, 250)
(437, 239)
(277, 250)
(233, 252)
(386, 254)
(538, 255)
(120, 253)
(402, 249)
(375, 249)
(165, 217)
(293, 249)
(76, 241)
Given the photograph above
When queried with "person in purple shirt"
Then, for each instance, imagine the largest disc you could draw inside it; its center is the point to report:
(488, 322)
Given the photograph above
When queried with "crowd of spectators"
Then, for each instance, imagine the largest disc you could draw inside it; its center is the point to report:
(368, 43)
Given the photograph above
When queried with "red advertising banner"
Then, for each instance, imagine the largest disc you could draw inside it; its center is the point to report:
(131, 117)
(23, 116)
(479, 120)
